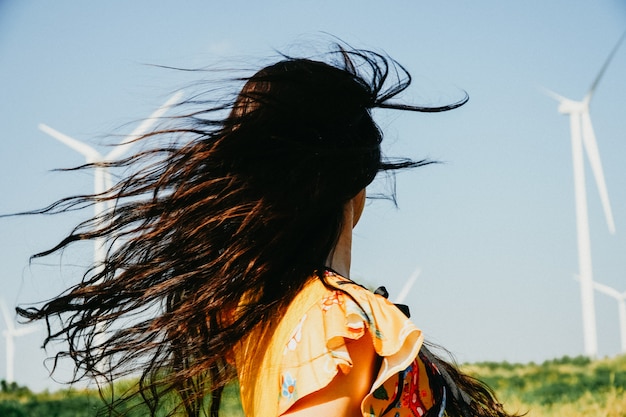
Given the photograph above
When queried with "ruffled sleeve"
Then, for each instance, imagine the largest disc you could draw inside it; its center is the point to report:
(316, 347)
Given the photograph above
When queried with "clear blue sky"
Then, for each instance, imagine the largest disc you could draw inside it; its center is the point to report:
(492, 229)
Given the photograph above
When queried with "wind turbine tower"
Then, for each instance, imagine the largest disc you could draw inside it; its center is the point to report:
(10, 334)
(583, 140)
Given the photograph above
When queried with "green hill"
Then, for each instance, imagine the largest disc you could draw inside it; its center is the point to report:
(565, 387)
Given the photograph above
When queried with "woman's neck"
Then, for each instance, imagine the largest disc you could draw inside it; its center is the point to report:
(340, 257)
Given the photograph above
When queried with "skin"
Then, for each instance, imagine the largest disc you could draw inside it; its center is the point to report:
(343, 396)
(340, 257)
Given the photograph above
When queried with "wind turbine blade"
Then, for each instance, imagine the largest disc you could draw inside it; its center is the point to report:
(404, 292)
(25, 330)
(90, 153)
(8, 318)
(611, 292)
(123, 147)
(553, 95)
(591, 146)
(604, 67)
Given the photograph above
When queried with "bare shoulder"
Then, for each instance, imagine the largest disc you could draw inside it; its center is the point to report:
(343, 396)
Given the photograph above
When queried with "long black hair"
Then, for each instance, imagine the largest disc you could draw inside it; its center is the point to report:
(247, 203)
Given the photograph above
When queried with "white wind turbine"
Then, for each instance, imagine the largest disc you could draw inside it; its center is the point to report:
(10, 334)
(621, 305)
(582, 135)
(102, 176)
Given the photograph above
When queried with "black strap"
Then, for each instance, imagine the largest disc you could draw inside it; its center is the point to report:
(402, 307)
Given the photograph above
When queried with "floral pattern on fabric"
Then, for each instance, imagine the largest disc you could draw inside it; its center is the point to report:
(292, 344)
(406, 394)
(312, 357)
(288, 385)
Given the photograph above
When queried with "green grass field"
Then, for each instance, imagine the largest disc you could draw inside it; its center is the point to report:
(566, 387)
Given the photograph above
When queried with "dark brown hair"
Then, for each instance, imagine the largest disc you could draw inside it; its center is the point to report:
(246, 204)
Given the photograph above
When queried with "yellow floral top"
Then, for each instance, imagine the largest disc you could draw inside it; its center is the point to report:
(303, 351)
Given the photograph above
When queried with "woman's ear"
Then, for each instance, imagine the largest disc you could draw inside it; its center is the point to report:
(358, 203)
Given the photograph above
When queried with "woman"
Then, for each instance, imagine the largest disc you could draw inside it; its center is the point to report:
(234, 259)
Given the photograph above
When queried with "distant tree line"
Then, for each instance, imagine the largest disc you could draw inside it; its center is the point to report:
(555, 381)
